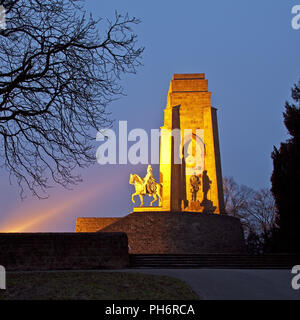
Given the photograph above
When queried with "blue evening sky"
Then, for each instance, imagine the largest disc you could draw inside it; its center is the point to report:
(250, 55)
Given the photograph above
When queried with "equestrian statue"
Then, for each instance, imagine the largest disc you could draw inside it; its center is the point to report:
(147, 186)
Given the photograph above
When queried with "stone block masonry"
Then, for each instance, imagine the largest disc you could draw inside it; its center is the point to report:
(93, 224)
(63, 251)
(180, 233)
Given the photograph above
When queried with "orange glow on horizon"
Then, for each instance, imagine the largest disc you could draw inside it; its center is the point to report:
(36, 216)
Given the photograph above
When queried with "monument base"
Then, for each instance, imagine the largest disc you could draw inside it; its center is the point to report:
(149, 209)
(180, 233)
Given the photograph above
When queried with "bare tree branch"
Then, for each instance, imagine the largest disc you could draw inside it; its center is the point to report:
(255, 209)
(58, 71)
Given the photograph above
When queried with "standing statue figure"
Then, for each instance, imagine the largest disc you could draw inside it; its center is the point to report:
(145, 186)
(206, 182)
(195, 185)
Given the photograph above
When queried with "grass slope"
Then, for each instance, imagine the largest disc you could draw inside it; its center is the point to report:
(92, 285)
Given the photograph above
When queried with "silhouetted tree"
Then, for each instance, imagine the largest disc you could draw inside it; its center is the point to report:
(58, 71)
(261, 211)
(254, 243)
(236, 198)
(256, 211)
(286, 177)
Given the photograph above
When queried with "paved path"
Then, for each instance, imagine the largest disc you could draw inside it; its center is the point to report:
(234, 284)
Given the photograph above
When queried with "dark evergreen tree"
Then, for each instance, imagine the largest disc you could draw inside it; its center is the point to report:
(254, 243)
(286, 178)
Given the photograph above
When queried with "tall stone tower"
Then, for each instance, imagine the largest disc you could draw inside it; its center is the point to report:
(197, 154)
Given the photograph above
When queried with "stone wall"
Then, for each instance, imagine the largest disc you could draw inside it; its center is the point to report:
(93, 224)
(180, 233)
(54, 251)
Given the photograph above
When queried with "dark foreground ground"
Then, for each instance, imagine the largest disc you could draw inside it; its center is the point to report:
(93, 285)
(235, 284)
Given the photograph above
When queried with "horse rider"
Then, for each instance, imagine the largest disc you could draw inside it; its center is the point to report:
(149, 181)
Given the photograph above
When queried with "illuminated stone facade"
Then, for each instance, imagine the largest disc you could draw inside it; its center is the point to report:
(189, 110)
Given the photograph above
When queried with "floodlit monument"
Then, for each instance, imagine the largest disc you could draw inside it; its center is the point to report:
(190, 167)
(190, 215)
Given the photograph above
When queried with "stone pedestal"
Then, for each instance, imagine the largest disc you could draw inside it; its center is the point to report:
(180, 233)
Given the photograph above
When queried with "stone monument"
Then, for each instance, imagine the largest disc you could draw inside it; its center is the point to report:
(190, 216)
(195, 155)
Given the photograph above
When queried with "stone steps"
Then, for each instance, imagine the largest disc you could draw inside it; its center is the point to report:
(234, 261)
